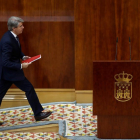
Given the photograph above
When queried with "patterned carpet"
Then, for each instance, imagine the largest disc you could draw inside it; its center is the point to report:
(78, 121)
(29, 136)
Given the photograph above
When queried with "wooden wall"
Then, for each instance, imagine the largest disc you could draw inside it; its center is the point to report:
(49, 31)
(97, 25)
(70, 34)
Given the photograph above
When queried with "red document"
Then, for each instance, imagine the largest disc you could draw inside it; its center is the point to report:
(32, 59)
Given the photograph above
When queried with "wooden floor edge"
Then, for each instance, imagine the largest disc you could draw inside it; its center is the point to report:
(42, 128)
(15, 97)
(62, 138)
(44, 90)
(83, 91)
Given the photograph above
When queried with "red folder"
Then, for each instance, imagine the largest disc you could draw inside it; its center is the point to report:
(32, 59)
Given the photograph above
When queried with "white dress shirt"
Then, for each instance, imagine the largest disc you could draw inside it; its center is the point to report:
(16, 39)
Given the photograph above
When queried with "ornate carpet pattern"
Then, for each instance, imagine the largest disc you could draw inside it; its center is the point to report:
(29, 136)
(78, 118)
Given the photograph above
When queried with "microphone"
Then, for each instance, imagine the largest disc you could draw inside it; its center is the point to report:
(130, 47)
(116, 49)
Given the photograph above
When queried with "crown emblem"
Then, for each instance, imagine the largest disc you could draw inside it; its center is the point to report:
(123, 77)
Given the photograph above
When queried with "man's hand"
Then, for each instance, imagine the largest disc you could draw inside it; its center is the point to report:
(26, 57)
(25, 65)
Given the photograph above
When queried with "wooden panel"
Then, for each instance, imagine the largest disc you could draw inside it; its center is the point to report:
(104, 92)
(55, 42)
(36, 8)
(84, 41)
(105, 30)
(127, 15)
(117, 19)
(116, 119)
(16, 97)
(3, 28)
(97, 25)
(49, 31)
(84, 96)
(118, 127)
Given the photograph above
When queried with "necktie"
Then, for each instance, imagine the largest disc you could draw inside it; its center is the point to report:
(18, 41)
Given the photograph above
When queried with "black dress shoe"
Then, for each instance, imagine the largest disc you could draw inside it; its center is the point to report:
(1, 123)
(43, 115)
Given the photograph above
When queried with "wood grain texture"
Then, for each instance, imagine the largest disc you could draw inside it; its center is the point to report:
(84, 40)
(104, 88)
(105, 30)
(15, 97)
(117, 19)
(127, 25)
(3, 28)
(118, 127)
(49, 31)
(94, 38)
(55, 42)
(116, 120)
(36, 8)
(97, 25)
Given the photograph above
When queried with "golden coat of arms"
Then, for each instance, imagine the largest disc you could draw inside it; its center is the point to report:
(123, 88)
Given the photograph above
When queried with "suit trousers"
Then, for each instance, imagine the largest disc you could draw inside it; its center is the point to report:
(25, 86)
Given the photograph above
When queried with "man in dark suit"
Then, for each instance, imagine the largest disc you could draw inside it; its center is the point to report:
(11, 69)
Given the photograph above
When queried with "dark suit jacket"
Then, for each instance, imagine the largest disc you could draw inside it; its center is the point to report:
(10, 55)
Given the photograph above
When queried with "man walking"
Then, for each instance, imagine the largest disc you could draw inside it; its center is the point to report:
(11, 69)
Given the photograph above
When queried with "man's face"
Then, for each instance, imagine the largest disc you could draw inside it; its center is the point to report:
(19, 29)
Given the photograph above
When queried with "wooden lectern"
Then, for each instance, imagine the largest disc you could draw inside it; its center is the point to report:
(116, 99)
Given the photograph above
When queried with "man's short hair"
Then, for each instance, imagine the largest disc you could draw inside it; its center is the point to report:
(13, 22)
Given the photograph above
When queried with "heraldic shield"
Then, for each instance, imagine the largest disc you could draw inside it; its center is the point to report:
(123, 88)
